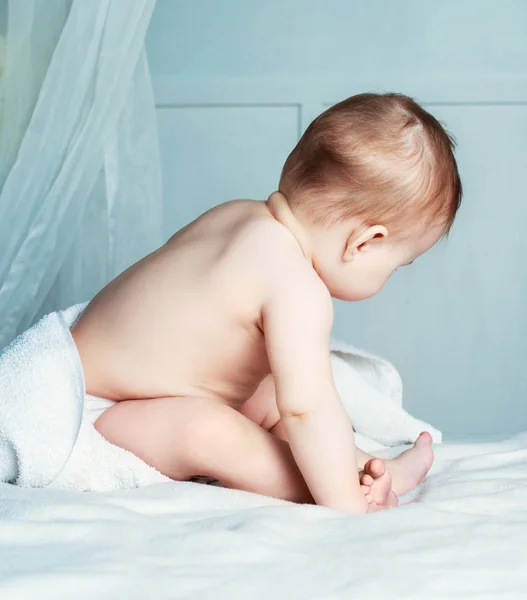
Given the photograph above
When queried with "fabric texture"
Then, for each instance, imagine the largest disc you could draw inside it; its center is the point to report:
(459, 536)
(79, 158)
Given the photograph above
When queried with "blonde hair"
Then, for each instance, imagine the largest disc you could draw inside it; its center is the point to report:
(378, 157)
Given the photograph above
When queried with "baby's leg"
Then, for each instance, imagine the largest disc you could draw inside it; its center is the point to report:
(261, 409)
(187, 437)
(406, 471)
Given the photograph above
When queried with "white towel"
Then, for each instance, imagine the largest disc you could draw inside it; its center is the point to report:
(47, 440)
(372, 392)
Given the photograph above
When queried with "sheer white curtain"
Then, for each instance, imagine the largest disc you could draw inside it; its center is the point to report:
(80, 176)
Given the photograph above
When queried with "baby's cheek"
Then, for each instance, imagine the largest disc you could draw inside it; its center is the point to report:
(359, 285)
(375, 284)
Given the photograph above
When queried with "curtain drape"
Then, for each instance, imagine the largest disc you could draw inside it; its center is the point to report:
(80, 175)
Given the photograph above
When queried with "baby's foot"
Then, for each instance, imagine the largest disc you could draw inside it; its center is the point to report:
(376, 483)
(410, 468)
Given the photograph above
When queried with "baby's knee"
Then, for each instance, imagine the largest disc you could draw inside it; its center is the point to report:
(208, 427)
(211, 422)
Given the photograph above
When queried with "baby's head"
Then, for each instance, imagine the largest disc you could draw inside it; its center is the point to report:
(374, 183)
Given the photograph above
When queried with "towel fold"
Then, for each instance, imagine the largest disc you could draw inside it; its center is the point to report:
(371, 390)
(46, 439)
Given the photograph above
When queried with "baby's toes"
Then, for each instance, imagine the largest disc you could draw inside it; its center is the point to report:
(366, 489)
(366, 479)
(375, 467)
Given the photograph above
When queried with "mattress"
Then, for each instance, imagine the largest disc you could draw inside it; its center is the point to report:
(462, 534)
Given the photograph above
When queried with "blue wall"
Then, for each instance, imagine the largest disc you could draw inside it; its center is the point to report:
(237, 81)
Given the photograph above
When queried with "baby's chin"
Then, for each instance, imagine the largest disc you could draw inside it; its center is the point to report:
(354, 290)
(351, 295)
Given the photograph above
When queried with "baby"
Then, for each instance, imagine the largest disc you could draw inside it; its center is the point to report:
(216, 346)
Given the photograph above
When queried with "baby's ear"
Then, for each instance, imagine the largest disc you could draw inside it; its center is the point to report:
(361, 241)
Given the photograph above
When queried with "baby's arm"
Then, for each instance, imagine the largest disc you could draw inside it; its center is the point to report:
(297, 324)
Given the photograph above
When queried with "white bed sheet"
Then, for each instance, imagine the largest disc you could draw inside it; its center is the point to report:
(465, 536)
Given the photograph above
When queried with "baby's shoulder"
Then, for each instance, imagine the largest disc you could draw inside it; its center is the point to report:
(278, 258)
(266, 241)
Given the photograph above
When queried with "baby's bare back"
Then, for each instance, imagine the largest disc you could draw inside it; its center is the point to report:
(185, 320)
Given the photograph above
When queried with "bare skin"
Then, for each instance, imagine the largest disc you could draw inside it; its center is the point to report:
(382, 481)
(183, 340)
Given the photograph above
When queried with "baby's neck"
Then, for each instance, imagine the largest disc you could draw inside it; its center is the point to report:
(279, 208)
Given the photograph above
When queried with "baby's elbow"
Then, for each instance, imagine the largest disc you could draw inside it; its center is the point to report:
(295, 415)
